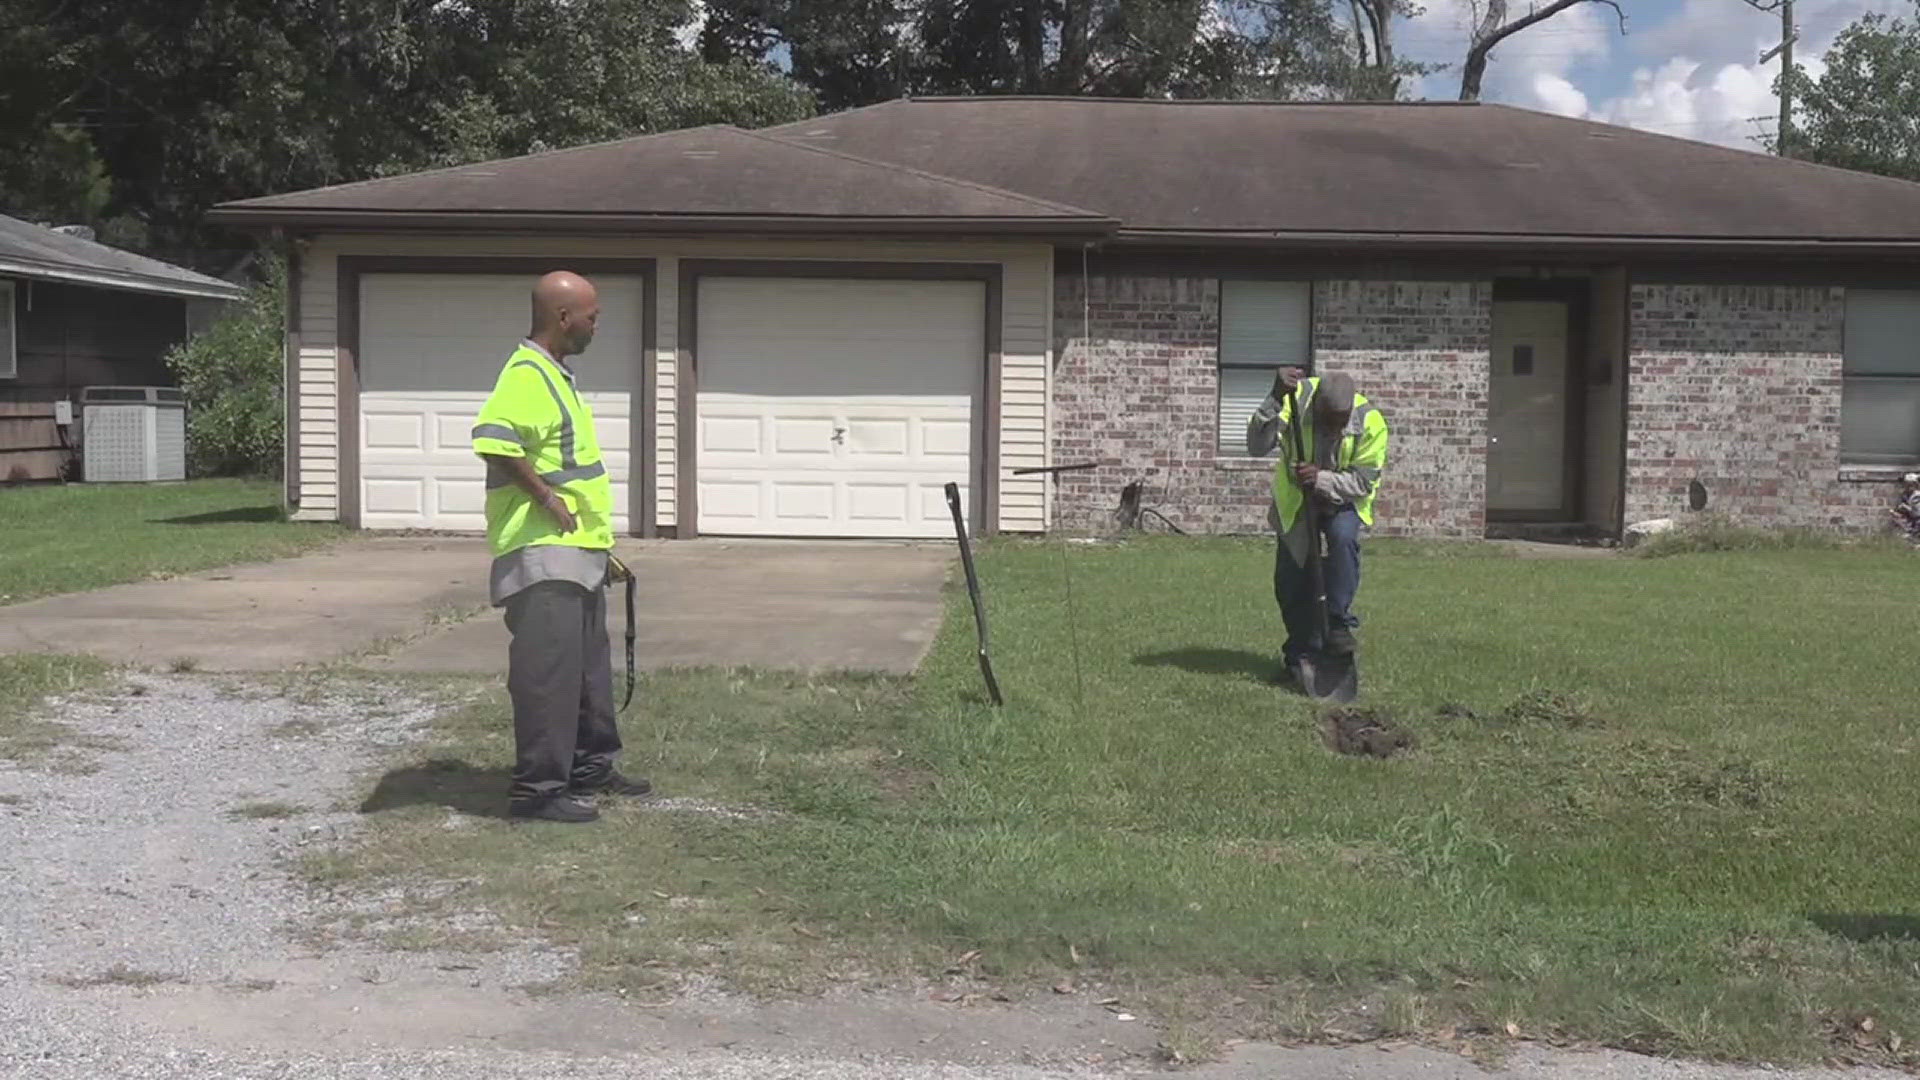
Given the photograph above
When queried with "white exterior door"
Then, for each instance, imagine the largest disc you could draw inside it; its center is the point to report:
(431, 346)
(1527, 408)
(835, 407)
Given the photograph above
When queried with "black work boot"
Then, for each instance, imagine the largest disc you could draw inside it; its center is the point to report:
(613, 784)
(1340, 641)
(561, 808)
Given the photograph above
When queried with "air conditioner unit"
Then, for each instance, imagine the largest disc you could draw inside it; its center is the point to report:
(133, 433)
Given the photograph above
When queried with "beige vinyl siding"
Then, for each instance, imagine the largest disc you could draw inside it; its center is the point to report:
(319, 457)
(1027, 286)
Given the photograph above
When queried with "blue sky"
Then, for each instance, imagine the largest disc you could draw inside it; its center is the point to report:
(1684, 67)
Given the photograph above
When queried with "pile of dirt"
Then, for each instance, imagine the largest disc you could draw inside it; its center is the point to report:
(1366, 733)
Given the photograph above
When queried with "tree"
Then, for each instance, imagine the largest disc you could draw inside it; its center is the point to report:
(1494, 27)
(187, 103)
(1863, 113)
(861, 52)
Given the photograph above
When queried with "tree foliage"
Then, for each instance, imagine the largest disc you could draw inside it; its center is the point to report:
(1863, 113)
(856, 52)
(136, 116)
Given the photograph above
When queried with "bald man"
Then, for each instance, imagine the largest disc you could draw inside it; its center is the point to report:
(550, 528)
(1346, 442)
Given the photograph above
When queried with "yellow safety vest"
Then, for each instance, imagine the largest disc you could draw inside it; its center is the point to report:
(1362, 447)
(534, 413)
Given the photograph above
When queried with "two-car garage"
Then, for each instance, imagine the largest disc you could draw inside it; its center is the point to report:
(813, 405)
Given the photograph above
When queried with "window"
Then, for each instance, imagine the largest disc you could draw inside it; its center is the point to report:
(9, 353)
(1263, 325)
(1880, 387)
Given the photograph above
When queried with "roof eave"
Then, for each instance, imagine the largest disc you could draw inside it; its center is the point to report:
(119, 281)
(1507, 244)
(245, 217)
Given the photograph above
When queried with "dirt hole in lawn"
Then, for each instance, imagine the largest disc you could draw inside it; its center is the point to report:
(1366, 733)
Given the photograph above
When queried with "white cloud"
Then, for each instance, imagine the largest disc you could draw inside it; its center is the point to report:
(1706, 81)
(1727, 104)
(1559, 95)
(1698, 73)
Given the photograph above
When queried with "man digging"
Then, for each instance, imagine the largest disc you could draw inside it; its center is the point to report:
(550, 527)
(1346, 446)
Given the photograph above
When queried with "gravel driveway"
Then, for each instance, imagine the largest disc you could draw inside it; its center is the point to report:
(148, 931)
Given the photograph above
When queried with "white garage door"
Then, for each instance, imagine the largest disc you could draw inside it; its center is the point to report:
(836, 408)
(431, 346)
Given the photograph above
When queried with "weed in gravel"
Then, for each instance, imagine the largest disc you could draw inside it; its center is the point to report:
(118, 975)
(296, 729)
(263, 811)
(27, 735)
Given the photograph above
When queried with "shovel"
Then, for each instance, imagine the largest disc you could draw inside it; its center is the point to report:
(1324, 676)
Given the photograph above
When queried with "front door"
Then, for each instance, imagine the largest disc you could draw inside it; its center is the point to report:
(1527, 410)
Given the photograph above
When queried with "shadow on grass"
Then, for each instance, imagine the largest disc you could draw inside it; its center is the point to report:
(453, 784)
(235, 516)
(1204, 661)
(1865, 928)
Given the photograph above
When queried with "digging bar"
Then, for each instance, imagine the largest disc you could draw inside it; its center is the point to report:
(973, 591)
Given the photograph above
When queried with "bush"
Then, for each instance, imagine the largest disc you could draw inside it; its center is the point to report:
(232, 377)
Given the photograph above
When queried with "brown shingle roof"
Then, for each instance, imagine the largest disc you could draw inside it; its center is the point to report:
(35, 251)
(1433, 169)
(709, 177)
(1481, 176)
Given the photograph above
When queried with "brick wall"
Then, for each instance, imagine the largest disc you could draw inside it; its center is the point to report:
(1739, 387)
(1140, 388)
(1418, 350)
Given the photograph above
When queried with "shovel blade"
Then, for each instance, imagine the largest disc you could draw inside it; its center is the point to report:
(1330, 678)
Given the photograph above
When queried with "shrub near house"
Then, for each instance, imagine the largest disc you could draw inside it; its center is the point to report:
(232, 377)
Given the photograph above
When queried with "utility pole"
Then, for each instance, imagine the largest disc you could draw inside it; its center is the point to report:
(1788, 34)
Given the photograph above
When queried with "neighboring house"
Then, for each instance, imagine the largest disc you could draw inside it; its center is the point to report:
(809, 330)
(75, 314)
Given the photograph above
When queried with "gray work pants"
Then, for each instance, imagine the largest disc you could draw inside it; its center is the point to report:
(560, 677)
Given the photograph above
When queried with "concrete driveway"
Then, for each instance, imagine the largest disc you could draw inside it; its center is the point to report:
(421, 605)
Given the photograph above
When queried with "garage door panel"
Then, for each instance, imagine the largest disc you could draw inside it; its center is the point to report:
(388, 497)
(395, 431)
(946, 438)
(431, 347)
(879, 438)
(866, 394)
(813, 436)
(731, 435)
(878, 502)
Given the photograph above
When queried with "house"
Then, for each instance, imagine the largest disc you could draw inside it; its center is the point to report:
(810, 329)
(75, 314)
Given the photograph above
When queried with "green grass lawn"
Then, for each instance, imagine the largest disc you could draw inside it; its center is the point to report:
(73, 537)
(1709, 846)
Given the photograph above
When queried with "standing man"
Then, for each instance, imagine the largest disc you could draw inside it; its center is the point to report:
(550, 527)
(1346, 441)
